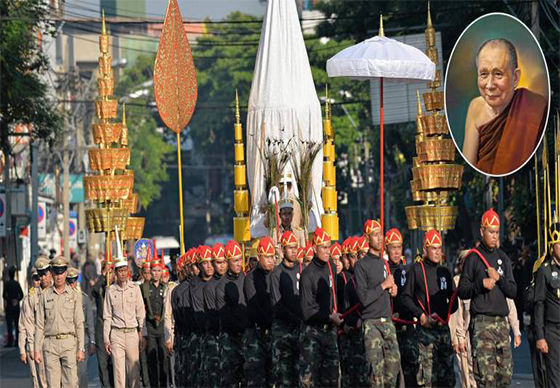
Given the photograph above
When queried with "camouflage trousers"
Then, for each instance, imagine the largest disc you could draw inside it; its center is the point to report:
(319, 358)
(180, 347)
(285, 353)
(353, 365)
(231, 360)
(408, 346)
(436, 357)
(193, 360)
(211, 361)
(257, 347)
(382, 352)
(491, 351)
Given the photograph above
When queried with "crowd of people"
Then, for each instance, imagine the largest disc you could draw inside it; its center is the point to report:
(325, 315)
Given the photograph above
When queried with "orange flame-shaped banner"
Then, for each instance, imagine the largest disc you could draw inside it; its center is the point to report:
(175, 86)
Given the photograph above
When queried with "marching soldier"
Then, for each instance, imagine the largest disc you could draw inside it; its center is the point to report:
(402, 318)
(169, 327)
(257, 340)
(375, 286)
(89, 333)
(197, 301)
(175, 323)
(286, 210)
(59, 321)
(547, 309)
(193, 339)
(104, 363)
(286, 311)
(308, 254)
(352, 358)
(319, 359)
(42, 276)
(212, 346)
(232, 310)
(487, 280)
(124, 327)
(156, 355)
(429, 295)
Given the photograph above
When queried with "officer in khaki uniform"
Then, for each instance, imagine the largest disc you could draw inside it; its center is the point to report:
(42, 266)
(124, 329)
(286, 209)
(89, 331)
(26, 328)
(59, 322)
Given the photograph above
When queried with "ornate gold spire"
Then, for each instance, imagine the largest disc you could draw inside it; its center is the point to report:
(381, 32)
(429, 17)
(327, 103)
(103, 29)
(237, 115)
(419, 103)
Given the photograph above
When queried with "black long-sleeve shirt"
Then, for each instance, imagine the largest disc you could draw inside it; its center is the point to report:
(197, 302)
(13, 294)
(342, 280)
(98, 293)
(209, 296)
(258, 297)
(231, 305)
(176, 308)
(370, 272)
(399, 272)
(493, 302)
(547, 296)
(284, 287)
(185, 306)
(350, 300)
(316, 290)
(440, 289)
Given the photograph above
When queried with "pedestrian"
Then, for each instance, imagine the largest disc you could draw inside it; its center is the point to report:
(13, 294)
(156, 355)
(89, 330)
(26, 327)
(487, 280)
(375, 286)
(286, 314)
(257, 346)
(547, 309)
(124, 327)
(232, 311)
(403, 319)
(59, 332)
(319, 357)
(104, 362)
(429, 294)
(211, 342)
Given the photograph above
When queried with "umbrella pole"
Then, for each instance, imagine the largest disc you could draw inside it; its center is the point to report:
(381, 143)
(180, 193)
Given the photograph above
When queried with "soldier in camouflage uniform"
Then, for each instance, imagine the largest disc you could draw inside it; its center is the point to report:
(232, 312)
(319, 358)
(375, 286)
(402, 318)
(178, 327)
(353, 363)
(428, 294)
(211, 359)
(257, 341)
(286, 322)
(487, 280)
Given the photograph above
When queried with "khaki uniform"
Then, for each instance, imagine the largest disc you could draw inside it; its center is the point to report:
(459, 327)
(124, 316)
(298, 232)
(26, 334)
(89, 336)
(59, 322)
(169, 328)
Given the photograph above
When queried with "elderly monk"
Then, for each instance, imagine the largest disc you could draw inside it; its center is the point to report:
(505, 123)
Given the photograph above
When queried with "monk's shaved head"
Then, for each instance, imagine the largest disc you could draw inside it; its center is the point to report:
(507, 45)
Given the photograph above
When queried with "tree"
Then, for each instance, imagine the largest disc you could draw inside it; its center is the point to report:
(24, 92)
(148, 148)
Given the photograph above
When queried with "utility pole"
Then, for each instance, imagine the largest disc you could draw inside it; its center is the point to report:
(34, 202)
(66, 198)
(10, 260)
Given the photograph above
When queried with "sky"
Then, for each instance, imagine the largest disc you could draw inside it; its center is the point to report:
(190, 9)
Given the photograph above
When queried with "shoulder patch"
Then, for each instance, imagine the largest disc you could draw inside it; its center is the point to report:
(31, 291)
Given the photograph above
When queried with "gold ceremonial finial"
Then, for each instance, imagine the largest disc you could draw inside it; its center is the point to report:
(429, 17)
(103, 29)
(124, 114)
(237, 115)
(327, 103)
(419, 103)
(381, 32)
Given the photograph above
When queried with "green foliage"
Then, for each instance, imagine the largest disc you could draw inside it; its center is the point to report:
(24, 93)
(148, 148)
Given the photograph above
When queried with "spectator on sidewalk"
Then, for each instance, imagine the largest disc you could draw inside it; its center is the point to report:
(13, 294)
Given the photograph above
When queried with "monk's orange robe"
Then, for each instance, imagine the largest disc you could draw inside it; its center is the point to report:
(509, 139)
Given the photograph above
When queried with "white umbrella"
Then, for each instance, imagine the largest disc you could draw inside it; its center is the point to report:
(383, 58)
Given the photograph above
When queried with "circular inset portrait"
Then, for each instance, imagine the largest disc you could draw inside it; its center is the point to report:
(497, 94)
